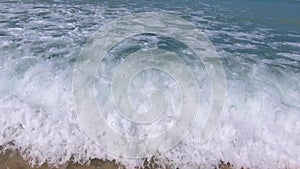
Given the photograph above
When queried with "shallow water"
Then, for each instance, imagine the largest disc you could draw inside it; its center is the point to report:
(257, 41)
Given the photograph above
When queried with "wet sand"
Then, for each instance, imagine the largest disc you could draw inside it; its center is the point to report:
(12, 160)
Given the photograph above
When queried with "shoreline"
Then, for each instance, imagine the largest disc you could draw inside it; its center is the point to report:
(13, 160)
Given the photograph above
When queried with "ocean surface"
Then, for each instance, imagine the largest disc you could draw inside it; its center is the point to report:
(258, 42)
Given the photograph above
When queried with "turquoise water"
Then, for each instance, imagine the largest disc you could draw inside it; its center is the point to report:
(258, 43)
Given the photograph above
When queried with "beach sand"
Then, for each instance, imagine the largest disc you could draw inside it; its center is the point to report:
(13, 160)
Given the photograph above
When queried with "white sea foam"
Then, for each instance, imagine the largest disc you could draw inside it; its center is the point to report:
(261, 117)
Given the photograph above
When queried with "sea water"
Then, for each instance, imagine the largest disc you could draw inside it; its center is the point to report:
(258, 43)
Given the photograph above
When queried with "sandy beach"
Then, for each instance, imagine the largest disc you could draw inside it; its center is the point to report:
(13, 160)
